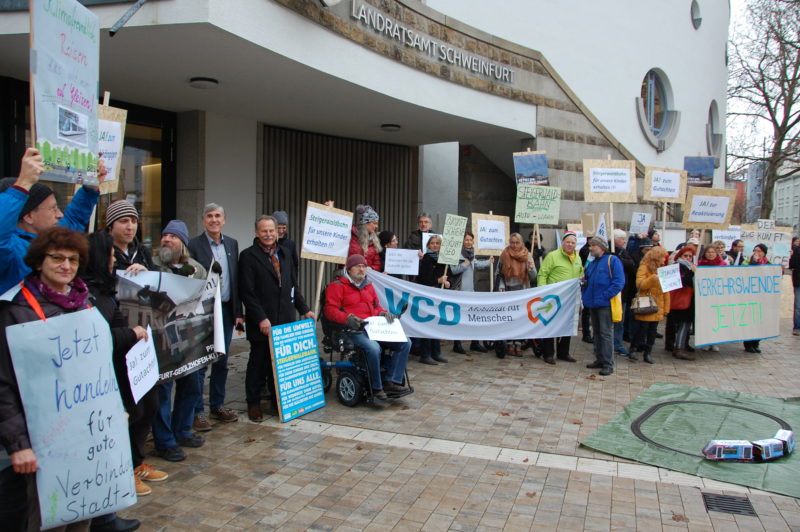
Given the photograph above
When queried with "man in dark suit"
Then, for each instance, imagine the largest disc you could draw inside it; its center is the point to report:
(213, 246)
(269, 291)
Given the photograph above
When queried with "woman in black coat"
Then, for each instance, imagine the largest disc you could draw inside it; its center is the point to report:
(431, 273)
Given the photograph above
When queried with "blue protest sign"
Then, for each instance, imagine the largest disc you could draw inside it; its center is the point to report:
(76, 421)
(296, 368)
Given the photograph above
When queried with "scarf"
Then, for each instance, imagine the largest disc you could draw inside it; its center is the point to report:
(468, 253)
(515, 264)
(719, 261)
(687, 264)
(73, 300)
(272, 251)
(434, 255)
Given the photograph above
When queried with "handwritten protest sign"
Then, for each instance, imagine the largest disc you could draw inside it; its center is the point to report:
(664, 184)
(736, 303)
(65, 59)
(491, 233)
(640, 222)
(298, 380)
(76, 421)
(669, 277)
(326, 234)
(452, 239)
(537, 204)
(142, 366)
(699, 170)
(708, 208)
(777, 239)
(402, 261)
(380, 330)
(530, 168)
(609, 180)
(111, 124)
(728, 236)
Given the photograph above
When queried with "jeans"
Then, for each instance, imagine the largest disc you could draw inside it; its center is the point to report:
(796, 326)
(603, 342)
(173, 422)
(396, 365)
(219, 369)
(619, 328)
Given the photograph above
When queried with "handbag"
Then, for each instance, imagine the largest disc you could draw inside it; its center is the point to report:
(616, 301)
(644, 305)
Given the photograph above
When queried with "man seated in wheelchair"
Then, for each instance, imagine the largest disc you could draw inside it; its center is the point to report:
(349, 300)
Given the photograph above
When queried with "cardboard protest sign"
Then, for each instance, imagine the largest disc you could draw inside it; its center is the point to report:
(699, 171)
(111, 134)
(609, 180)
(64, 72)
(736, 303)
(708, 208)
(452, 239)
(729, 235)
(664, 184)
(777, 239)
(295, 364)
(181, 312)
(142, 366)
(537, 204)
(76, 421)
(530, 168)
(326, 234)
(640, 222)
(669, 277)
(491, 233)
(380, 330)
(401, 261)
(592, 221)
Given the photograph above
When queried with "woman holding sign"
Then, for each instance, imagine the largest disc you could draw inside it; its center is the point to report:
(431, 273)
(51, 289)
(758, 257)
(465, 281)
(515, 271)
(648, 285)
(682, 302)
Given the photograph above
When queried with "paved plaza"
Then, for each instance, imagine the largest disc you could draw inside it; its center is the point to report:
(482, 444)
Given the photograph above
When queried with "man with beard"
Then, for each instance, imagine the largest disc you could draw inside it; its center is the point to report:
(172, 426)
(269, 291)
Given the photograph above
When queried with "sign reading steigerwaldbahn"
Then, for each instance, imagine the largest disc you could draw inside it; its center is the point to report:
(296, 369)
(326, 234)
(612, 181)
(491, 233)
(537, 205)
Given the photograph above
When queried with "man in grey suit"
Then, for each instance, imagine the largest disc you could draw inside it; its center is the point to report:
(210, 246)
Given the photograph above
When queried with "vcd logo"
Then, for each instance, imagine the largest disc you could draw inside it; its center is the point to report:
(544, 309)
(423, 309)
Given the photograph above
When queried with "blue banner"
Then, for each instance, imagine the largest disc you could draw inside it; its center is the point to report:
(296, 368)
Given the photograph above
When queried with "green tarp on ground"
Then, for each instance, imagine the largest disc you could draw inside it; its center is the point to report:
(688, 427)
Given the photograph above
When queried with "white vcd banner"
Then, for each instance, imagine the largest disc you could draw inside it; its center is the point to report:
(544, 312)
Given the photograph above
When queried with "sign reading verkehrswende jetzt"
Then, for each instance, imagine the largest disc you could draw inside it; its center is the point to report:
(295, 360)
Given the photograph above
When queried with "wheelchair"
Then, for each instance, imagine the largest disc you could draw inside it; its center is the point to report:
(353, 382)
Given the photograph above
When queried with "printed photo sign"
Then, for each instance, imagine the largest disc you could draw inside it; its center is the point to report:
(326, 234)
(664, 184)
(537, 205)
(708, 208)
(612, 181)
(491, 233)
(699, 171)
(530, 168)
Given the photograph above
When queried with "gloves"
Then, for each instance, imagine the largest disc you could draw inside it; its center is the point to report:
(353, 322)
(388, 315)
(216, 268)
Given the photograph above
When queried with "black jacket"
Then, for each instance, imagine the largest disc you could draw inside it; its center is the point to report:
(430, 271)
(137, 254)
(629, 267)
(291, 249)
(200, 250)
(264, 295)
(794, 264)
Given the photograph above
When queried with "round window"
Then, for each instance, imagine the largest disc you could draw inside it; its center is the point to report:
(654, 97)
(695, 13)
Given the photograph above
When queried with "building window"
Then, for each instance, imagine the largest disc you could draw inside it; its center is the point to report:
(695, 13)
(659, 123)
(713, 135)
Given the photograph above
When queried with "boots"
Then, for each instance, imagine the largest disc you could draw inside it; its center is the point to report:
(477, 347)
(632, 354)
(646, 355)
(458, 348)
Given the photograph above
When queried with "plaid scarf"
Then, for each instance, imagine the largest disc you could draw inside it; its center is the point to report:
(272, 251)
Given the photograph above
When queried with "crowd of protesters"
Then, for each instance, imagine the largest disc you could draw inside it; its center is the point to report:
(56, 268)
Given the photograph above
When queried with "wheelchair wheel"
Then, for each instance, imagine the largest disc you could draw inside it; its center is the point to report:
(348, 388)
(500, 349)
(327, 379)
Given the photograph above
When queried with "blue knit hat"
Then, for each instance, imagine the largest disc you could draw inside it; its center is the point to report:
(366, 214)
(177, 228)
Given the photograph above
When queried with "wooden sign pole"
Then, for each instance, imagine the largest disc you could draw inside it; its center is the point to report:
(320, 273)
(610, 225)
(31, 84)
(664, 222)
(445, 274)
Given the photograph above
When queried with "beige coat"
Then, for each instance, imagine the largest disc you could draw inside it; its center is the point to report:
(648, 281)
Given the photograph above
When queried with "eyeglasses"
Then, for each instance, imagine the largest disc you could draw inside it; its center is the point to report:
(54, 209)
(58, 258)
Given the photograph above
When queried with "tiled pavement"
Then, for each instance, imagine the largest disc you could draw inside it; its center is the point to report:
(482, 444)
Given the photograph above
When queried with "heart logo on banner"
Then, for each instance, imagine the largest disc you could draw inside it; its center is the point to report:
(544, 309)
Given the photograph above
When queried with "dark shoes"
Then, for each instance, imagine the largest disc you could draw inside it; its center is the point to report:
(117, 525)
(458, 348)
(647, 357)
(428, 360)
(255, 414)
(588, 339)
(195, 440)
(683, 355)
(606, 371)
(380, 395)
(439, 358)
(171, 454)
(477, 347)
(568, 358)
(225, 415)
(550, 360)
(751, 349)
(595, 365)
(390, 387)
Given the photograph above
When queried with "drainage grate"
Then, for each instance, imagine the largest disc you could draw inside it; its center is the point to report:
(728, 504)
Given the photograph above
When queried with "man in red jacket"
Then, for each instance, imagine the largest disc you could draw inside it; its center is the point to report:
(351, 299)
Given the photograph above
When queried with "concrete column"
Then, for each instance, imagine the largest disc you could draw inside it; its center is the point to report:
(438, 181)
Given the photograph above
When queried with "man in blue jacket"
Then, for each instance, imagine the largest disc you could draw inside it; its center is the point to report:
(28, 207)
(603, 279)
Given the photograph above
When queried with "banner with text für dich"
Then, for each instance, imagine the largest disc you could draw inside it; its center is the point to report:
(736, 303)
(543, 312)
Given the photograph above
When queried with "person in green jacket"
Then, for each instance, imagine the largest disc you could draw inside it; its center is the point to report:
(560, 265)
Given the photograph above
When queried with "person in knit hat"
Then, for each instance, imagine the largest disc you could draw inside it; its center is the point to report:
(364, 237)
(387, 240)
(28, 207)
(282, 219)
(173, 256)
(122, 223)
